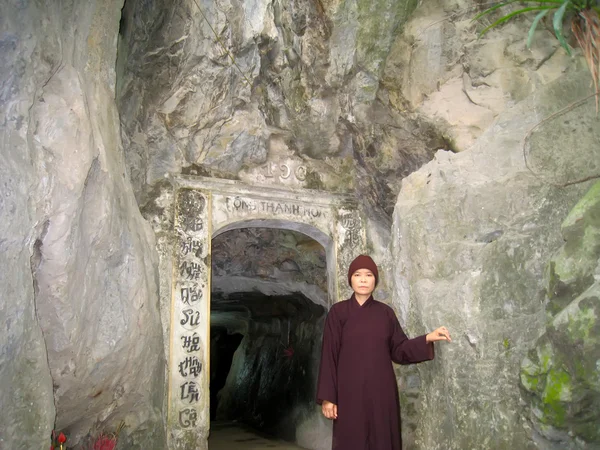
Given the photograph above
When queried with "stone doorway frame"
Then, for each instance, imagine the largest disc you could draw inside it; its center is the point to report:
(204, 208)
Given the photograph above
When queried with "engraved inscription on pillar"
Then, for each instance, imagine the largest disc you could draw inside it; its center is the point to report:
(351, 224)
(187, 391)
(351, 242)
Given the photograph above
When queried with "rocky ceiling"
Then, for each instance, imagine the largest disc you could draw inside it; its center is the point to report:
(269, 254)
(221, 88)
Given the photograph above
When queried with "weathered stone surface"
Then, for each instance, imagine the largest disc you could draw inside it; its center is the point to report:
(278, 256)
(303, 93)
(572, 270)
(439, 68)
(342, 96)
(473, 233)
(561, 372)
(27, 413)
(81, 341)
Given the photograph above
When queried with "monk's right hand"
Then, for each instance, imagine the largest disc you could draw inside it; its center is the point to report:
(329, 409)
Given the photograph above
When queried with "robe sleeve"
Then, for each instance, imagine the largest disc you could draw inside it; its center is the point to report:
(332, 336)
(408, 351)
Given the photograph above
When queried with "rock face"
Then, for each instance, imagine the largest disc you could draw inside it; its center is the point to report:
(561, 373)
(473, 234)
(81, 347)
(240, 91)
(270, 255)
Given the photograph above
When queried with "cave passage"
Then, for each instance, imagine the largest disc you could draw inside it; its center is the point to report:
(222, 347)
(265, 378)
(265, 330)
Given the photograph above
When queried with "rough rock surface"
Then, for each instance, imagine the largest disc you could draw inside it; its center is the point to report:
(561, 373)
(80, 343)
(302, 91)
(270, 255)
(473, 233)
(439, 69)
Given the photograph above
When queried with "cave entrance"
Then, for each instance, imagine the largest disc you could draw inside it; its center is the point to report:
(268, 304)
(206, 211)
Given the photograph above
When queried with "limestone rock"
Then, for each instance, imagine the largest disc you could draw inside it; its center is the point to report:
(278, 256)
(27, 413)
(440, 68)
(81, 341)
(274, 93)
(473, 233)
(341, 96)
(561, 372)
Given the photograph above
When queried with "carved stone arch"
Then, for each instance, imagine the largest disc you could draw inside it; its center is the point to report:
(204, 208)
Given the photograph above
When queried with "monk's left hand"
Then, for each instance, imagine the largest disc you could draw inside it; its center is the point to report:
(440, 334)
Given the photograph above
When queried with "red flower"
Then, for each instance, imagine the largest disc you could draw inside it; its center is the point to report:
(62, 438)
(105, 443)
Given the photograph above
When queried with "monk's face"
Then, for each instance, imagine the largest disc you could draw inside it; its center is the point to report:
(363, 282)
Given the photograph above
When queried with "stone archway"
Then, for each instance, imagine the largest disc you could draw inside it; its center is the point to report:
(204, 207)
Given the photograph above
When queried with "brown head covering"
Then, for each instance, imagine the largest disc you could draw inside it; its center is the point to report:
(362, 262)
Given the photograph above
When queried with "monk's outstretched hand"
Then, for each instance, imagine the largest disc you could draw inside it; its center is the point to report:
(329, 409)
(440, 334)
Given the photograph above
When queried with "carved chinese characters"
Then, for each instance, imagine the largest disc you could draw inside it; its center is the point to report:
(351, 242)
(188, 382)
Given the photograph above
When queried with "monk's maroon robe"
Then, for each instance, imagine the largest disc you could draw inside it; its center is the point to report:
(356, 373)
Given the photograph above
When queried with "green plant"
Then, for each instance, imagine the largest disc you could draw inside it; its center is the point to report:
(584, 16)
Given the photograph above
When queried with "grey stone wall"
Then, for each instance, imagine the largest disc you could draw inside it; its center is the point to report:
(80, 345)
(473, 234)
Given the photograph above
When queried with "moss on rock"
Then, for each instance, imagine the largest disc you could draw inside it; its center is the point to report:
(561, 374)
(571, 271)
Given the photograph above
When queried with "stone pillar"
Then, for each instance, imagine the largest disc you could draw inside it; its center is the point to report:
(189, 417)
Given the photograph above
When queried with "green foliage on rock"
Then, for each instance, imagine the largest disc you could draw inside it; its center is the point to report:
(561, 10)
(582, 15)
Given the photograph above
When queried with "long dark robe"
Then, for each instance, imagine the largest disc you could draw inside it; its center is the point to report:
(356, 373)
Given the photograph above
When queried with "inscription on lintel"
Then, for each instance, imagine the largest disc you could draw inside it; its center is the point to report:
(237, 204)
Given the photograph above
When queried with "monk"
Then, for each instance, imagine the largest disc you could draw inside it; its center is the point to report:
(357, 386)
